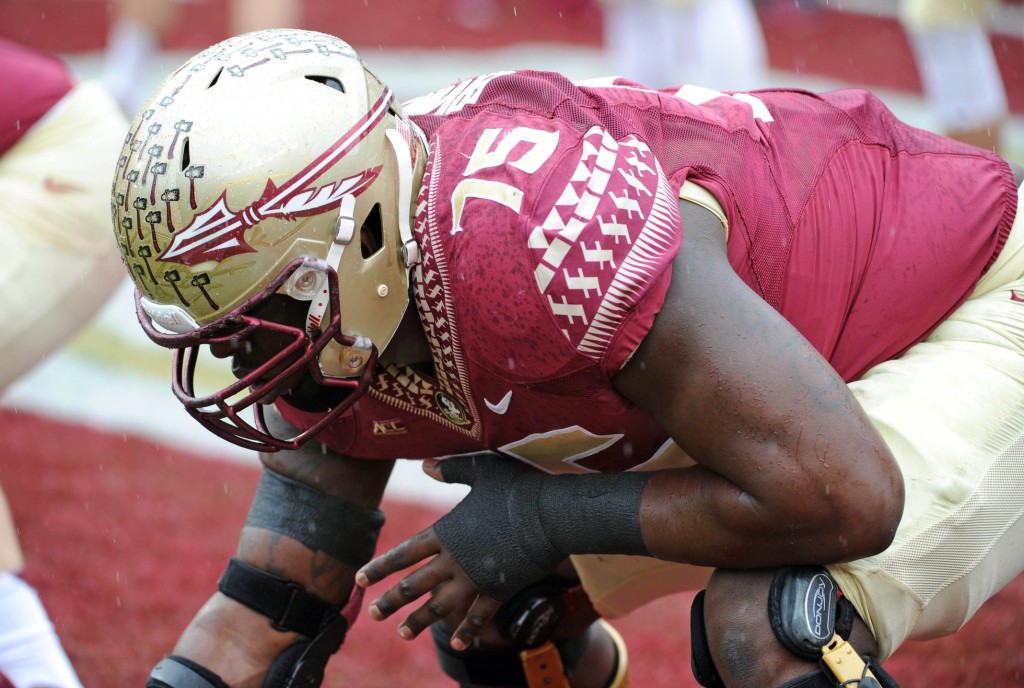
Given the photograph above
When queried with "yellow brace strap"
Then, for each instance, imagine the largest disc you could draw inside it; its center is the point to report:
(543, 665)
(844, 663)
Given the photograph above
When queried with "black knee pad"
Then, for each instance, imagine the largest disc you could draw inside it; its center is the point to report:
(810, 619)
(288, 607)
(805, 612)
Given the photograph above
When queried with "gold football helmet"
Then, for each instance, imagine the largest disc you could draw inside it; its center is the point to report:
(271, 163)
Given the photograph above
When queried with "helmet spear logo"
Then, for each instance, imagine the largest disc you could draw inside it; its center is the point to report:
(218, 232)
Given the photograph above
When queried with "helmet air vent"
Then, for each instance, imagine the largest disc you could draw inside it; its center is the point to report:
(328, 81)
(186, 155)
(216, 78)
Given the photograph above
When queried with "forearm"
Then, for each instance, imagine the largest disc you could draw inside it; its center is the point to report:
(690, 515)
(696, 516)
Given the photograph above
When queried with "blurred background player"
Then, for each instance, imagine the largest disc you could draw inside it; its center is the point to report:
(715, 43)
(958, 67)
(139, 25)
(58, 268)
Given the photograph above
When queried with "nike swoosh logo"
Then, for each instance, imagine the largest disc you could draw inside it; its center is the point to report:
(502, 406)
(1013, 297)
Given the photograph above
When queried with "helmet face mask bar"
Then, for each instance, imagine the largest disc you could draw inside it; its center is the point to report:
(271, 163)
(220, 411)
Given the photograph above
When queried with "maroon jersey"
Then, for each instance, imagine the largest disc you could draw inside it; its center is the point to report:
(30, 84)
(548, 221)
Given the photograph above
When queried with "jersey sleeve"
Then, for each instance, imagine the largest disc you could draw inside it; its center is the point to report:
(603, 231)
(555, 203)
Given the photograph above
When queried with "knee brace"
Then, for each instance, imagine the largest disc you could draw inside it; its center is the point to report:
(810, 620)
(323, 523)
(529, 621)
(289, 608)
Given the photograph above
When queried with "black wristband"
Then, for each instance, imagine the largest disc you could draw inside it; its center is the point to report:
(593, 514)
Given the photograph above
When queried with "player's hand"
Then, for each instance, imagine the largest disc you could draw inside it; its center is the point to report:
(450, 590)
(490, 546)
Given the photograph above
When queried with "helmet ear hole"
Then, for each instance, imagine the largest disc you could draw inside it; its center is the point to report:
(371, 234)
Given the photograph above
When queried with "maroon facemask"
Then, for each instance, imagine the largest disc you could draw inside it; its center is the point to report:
(220, 412)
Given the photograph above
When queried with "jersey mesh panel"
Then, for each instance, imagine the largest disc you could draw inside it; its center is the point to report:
(927, 563)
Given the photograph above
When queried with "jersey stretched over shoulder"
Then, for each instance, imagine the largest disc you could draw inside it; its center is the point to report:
(548, 222)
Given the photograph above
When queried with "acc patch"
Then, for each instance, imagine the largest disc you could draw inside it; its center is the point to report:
(388, 427)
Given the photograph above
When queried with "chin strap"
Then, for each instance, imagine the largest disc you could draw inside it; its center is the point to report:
(400, 144)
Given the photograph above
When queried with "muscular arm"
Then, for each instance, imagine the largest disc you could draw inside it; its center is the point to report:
(239, 644)
(790, 469)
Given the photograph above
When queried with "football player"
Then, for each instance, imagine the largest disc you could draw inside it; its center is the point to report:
(776, 336)
(56, 136)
